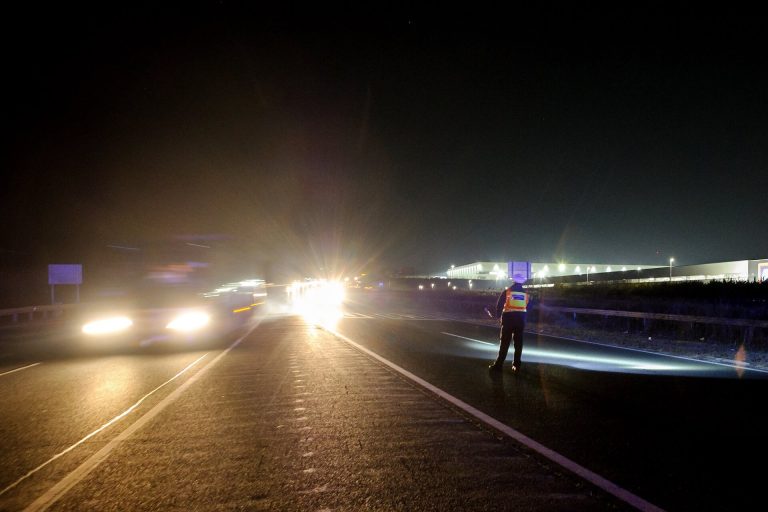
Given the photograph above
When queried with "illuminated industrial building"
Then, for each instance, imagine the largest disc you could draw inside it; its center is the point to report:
(542, 273)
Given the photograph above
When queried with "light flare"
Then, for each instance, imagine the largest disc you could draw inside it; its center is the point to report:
(109, 325)
(740, 359)
(189, 321)
(318, 301)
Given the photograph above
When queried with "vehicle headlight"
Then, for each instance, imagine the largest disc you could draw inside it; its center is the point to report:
(109, 325)
(189, 321)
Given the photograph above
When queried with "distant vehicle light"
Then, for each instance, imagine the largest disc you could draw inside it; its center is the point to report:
(189, 321)
(107, 325)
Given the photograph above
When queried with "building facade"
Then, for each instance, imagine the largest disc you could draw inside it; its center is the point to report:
(542, 273)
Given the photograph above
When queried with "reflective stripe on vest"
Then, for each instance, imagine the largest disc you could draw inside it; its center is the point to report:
(516, 301)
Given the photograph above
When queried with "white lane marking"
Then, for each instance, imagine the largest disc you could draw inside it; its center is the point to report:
(470, 339)
(651, 352)
(550, 454)
(101, 428)
(69, 481)
(356, 315)
(18, 370)
(395, 316)
(639, 350)
(612, 361)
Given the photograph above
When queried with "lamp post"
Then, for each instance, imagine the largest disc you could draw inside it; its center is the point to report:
(671, 260)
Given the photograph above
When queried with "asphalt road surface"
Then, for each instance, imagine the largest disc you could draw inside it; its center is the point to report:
(373, 409)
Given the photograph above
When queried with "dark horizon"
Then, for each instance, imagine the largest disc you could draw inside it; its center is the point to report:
(341, 144)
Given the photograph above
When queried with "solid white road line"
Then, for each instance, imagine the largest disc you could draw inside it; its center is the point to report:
(69, 481)
(470, 339)
(737, 366)
(101, 428)
(18, 370)
(555, 457)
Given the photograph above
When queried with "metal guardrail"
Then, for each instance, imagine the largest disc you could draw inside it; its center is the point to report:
(659, 316)
(31, 313)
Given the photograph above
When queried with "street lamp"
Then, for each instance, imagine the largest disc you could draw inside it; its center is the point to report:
(671, 260)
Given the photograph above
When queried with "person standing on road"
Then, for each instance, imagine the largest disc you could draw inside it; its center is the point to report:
(511, 309)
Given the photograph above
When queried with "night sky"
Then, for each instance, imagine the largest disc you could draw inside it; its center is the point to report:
(355, 141)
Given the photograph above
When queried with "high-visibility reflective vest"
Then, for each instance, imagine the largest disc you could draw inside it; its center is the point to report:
(516, 301)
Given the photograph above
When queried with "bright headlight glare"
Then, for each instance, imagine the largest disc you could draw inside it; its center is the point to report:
(189, 321)
(107, 325)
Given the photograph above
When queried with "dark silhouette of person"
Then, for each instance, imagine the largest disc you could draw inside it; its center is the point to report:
(511, 310)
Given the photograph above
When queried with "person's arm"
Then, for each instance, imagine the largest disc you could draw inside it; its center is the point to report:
(500, 303)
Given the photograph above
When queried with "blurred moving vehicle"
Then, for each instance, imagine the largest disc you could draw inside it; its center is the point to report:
(177, 314)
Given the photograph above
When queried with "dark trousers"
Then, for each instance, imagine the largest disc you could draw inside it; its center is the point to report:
(512, 326)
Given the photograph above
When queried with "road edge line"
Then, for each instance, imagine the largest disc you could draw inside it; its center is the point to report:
(65, 484)
(19, 369)
(588, 475)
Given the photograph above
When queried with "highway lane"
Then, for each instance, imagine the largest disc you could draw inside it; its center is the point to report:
(57, 413)
(681, 442)
(291, 418)
(62, 397)
(669, 429)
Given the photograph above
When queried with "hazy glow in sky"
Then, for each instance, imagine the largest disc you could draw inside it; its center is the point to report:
(387, 142)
